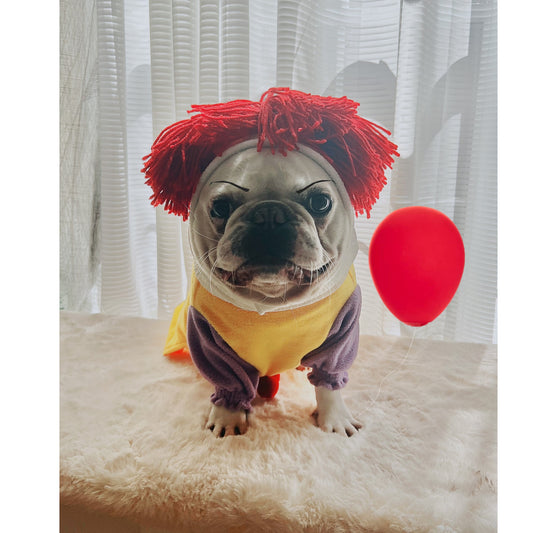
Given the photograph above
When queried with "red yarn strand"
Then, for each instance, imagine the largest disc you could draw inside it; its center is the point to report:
(283, 119)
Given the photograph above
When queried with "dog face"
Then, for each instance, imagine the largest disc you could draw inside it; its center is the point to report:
(271, 232)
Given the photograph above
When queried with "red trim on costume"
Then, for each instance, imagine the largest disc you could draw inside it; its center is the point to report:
(179, 355)
(268, 386)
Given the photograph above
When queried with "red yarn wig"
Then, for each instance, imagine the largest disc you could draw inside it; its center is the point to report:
(283, 118)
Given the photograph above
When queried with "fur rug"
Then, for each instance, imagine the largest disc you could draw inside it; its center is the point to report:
(132, 443)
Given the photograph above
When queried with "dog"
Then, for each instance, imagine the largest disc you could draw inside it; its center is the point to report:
(272, 233)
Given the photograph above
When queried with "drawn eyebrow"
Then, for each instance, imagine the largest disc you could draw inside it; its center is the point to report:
(310, 185)
(230, 183)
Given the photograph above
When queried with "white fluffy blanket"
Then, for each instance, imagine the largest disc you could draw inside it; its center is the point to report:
(132, 443)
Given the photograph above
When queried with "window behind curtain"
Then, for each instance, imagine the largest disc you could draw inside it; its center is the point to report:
(424, 70)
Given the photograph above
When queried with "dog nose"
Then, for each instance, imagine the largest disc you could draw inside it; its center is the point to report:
(269, 215)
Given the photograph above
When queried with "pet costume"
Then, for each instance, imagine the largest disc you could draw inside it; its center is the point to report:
(323, 336)
(234, 347)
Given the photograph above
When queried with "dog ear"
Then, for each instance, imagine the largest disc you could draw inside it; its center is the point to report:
(357, 148)
(173, 168)
(183, 150)
(360, 155)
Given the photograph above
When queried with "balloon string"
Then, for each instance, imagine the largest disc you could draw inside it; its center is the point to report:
(404, 359)
(363, 247)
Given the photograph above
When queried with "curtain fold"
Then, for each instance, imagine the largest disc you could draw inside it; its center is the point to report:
(235, 53)
(209, 52)
(79, 168)
(173, 44)
(117, 283)
(424, 70)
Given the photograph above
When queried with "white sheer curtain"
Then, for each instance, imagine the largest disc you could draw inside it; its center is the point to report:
(426, 70)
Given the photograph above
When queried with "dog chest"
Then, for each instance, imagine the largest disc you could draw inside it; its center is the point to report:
(272, 342)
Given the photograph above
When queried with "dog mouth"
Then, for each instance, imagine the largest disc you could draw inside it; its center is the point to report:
(250, 273)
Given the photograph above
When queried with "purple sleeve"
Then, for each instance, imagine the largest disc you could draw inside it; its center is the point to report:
(330, 361)
(234, 379)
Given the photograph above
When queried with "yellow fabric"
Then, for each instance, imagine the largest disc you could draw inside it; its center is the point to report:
(177, 333)
(273, 342)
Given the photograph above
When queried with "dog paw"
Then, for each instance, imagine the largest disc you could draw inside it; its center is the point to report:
(222, 421)
(332, 415)
(344, 425)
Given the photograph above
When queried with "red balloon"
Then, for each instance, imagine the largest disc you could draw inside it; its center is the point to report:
(417, 259)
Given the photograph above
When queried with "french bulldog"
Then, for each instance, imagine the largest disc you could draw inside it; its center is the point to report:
(273, 240)
(271, 233)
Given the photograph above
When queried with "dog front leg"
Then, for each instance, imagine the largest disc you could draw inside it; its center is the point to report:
(223, 421)
(234, 379)
(330, 364)
(332, 415)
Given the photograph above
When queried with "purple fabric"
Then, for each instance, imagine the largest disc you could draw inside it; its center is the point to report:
(331, 360)
(236, 380)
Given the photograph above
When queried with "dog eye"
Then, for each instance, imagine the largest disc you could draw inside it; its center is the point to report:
(221, 209)
(319, 204)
